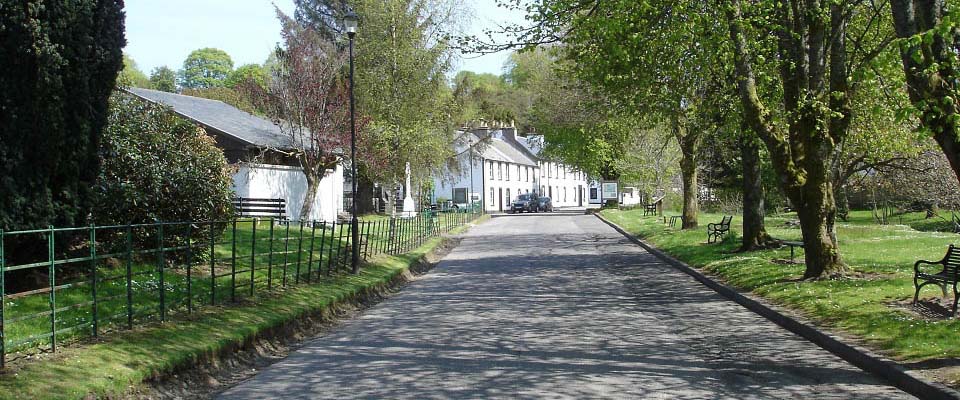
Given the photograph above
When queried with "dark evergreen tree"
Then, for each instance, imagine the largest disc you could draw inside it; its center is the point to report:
(58, 65)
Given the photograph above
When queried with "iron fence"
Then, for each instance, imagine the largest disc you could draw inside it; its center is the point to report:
(62, 284)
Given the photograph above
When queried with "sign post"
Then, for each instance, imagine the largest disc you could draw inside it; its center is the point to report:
(608, 191)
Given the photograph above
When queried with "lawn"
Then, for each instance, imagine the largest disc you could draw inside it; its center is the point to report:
(869, 304)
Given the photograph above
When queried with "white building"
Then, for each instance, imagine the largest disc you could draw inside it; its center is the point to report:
(504, 166)
(250, 143)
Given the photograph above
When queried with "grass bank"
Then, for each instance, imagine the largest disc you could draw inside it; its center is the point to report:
(872, 304)
(122, 361)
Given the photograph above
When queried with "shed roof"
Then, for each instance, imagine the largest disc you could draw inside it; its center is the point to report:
(220, 117)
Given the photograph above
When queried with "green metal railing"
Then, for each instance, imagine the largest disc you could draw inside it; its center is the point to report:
(63, 284)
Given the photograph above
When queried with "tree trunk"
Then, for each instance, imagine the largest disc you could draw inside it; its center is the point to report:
(801, 154)
(755, 235)
(931, 74)
(365, 204)
(817, 211)
(313, 183)
(688, 170)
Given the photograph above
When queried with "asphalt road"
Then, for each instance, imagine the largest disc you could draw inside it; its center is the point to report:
(559, 306)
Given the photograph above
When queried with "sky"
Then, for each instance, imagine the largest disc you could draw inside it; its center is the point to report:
(164, 32)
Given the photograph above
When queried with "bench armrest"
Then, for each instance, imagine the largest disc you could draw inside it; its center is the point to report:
(916, 265)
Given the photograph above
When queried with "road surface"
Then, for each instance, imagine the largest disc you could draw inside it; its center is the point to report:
(559, 306)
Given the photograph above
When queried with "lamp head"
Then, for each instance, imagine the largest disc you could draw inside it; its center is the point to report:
(350, 21)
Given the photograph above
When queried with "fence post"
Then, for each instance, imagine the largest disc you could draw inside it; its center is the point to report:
(286, 249)
(3, 337)
(253, 254)
(323, 241)
(129, 276)
(163, 290)
(344, 244)
(381, 238)
(189, 267)
(296, 279)
(52, 278)
(233, 264)
(270, 257)
(333, 228)
(313, 239)
(213, 267)
(396, 236)
(93, 277)
(366, 241)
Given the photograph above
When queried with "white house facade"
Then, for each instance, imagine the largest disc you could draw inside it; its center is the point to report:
(496, 166)
(267, 181)
(256, 147)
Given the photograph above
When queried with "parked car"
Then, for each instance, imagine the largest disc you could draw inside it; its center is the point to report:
(526, 202)
(544, 204)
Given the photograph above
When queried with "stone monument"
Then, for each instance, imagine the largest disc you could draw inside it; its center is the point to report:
(409, 210)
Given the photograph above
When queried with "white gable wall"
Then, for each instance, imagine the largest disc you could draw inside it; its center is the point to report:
(289, 183)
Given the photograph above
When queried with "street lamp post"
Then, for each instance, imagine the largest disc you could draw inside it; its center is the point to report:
(350, 25)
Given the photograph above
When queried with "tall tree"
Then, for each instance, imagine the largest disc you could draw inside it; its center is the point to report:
(205, 68)
(308, 99)
(816, 57)
(659, 57)
(247, 72)
(58, 65)
(402, 57)
(930, 41)
(164, 79)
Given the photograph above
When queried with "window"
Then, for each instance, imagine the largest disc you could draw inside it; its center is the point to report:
(491, 170)
(541, 170)
(508, 172)
(493, 198)
(549, 171)
(564, 172)
(564, 193)
(508, 197)
(499, 170)
(542, 189)
(518, 172)
(527, 170)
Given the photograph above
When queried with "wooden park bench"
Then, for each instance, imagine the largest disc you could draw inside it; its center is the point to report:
(716, 230)
(269, 208)
(946, 276)
(652, 208)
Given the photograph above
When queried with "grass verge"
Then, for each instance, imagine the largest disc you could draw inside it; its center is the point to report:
(873, 304)
(121, 362)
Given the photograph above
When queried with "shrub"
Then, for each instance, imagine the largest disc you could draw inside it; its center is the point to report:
(157, 166)
(58, 63)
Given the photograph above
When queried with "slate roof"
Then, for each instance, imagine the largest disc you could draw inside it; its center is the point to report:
(533, 143)
(498, 149)
(220, 117)
(510, 150)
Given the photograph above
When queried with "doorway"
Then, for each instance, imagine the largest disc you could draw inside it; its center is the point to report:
(500, 201)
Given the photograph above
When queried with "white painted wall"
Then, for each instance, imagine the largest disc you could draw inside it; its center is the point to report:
(278, 181)
(444, 185)
(563, 184)
(491, 187)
